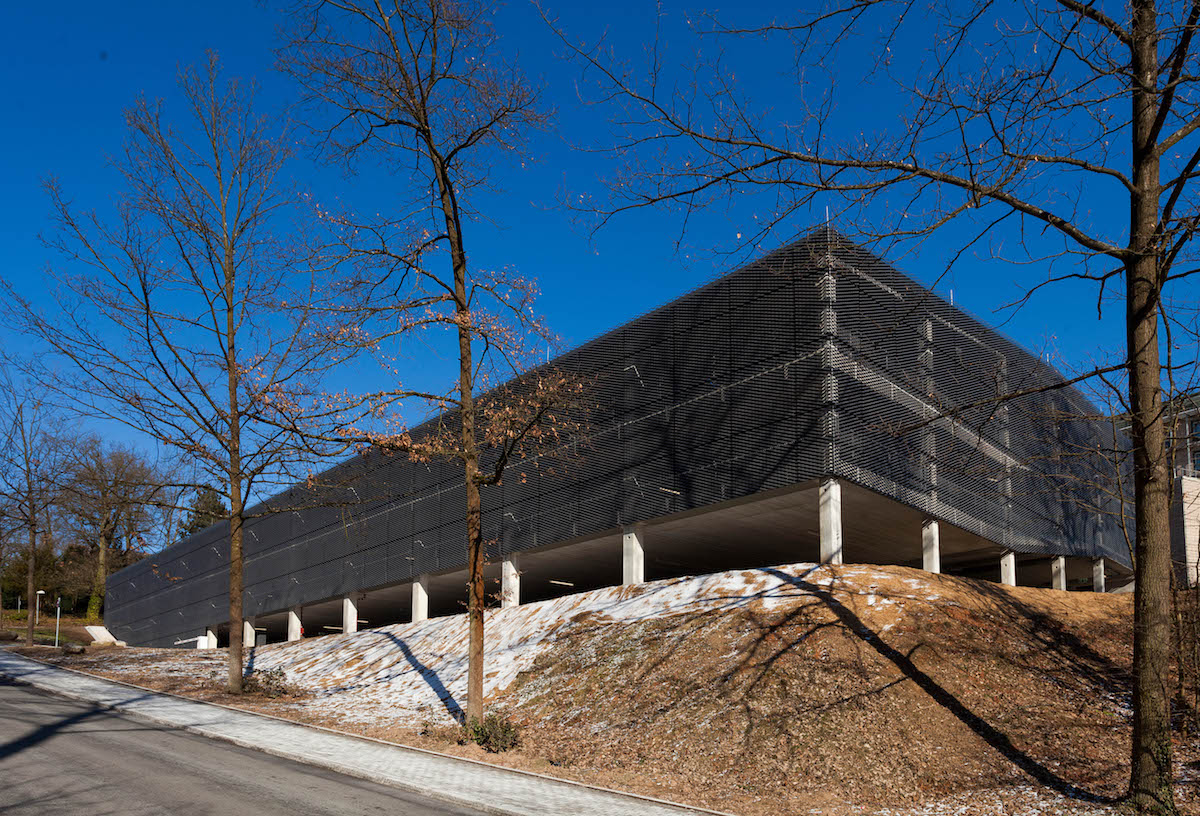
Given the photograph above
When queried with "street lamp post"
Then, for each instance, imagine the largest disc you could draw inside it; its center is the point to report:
(37, 609)
(57, 618)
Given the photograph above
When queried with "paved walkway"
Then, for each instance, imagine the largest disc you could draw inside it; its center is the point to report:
(484, 787)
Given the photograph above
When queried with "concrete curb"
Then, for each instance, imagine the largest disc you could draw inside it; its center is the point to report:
(533, 792)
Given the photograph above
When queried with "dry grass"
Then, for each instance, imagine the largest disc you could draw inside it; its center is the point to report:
(71, 627)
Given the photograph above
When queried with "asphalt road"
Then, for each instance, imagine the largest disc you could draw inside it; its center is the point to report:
(59, 756)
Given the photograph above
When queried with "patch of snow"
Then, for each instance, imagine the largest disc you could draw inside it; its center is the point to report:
(1021, 799)
(419, 670)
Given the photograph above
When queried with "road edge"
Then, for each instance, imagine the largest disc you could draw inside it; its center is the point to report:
(346, 770)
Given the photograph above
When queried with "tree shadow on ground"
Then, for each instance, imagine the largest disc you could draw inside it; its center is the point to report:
(989, 733)
(431, 679)
(427, 675)
(46, 731)
(1044, 647)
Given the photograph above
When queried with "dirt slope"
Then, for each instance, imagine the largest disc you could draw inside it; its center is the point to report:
(896, 687)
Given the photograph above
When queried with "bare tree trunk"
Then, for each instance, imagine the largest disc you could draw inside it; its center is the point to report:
(96, 601)
(32, 523)
(30, 590)
(236, 586)
(1150, 788)
(1150, 783)
(236, 510)
(475, 599)
(470, 450)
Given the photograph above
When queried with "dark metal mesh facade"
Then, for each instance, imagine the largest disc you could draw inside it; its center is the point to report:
(816, 360)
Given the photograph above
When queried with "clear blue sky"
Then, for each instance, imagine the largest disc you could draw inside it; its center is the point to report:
(70, 68)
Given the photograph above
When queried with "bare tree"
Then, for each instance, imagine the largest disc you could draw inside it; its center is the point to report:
(423, 87)
(106, 497)
(1018, 115)
(31, 462)
(4, 537)
(186, 315)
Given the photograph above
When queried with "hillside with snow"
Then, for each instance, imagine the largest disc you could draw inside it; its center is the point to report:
(419, 670)
(802, 688)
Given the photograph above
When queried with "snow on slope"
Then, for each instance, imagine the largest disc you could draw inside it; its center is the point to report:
(419, 670)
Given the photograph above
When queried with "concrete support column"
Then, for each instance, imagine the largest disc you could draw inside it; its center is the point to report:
(931, 546)
(420, 598)
(1008, 568)
(510, 582)
(293, 624)
(349, 614)
(247, 633)
(633, 555)
(830, 521)
(210, 638)
(1098, 575)
(1058, 572)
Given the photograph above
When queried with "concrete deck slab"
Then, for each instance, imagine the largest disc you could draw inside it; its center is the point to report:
(478, 785)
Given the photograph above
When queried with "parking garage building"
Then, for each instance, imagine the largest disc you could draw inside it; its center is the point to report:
(814, 405)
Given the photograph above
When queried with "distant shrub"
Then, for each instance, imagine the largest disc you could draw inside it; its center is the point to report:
(494, 734)
(269, 683)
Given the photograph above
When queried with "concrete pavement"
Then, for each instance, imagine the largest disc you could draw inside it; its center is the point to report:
(459, 782)
(62, 757)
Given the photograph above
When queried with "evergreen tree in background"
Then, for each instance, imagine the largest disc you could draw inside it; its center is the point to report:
(206, 509)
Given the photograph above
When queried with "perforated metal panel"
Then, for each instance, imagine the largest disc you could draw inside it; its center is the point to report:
(818, 359)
